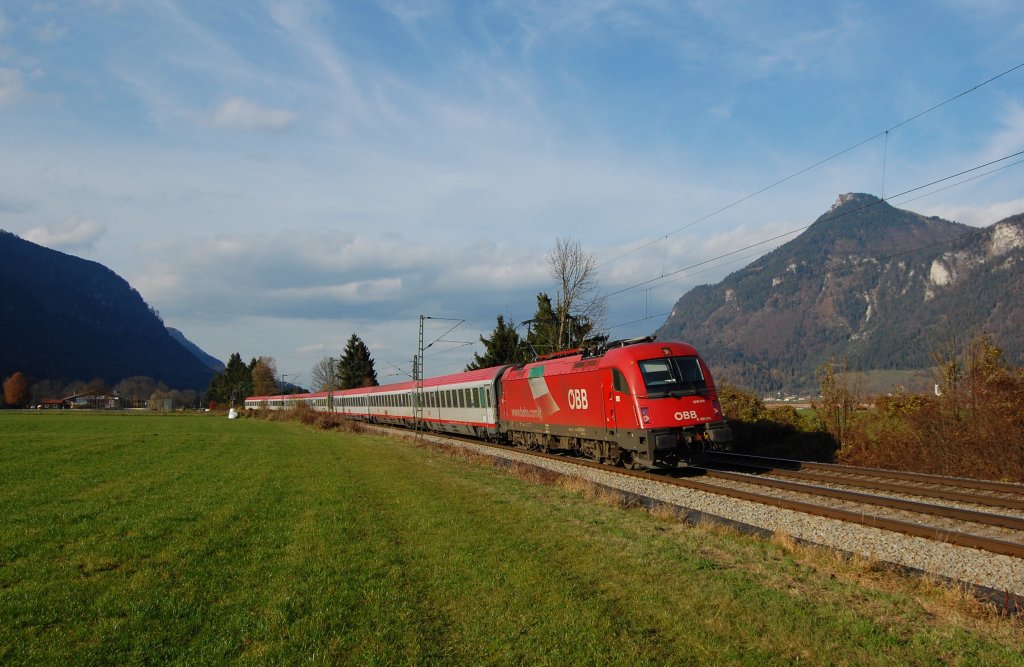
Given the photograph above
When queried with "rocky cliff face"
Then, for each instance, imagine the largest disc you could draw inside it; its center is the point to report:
(879, 286)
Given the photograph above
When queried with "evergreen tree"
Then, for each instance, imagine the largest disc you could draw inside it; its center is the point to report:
(551, 323)
(542, 336)
(502, 347)
(356, 366)
(234, 384)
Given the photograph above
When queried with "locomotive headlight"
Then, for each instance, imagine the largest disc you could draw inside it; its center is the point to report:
(646, 414)
(718, 407)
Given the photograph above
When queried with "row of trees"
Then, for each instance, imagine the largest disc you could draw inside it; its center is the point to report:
(354, 369)
(137, 391)
(239, 380)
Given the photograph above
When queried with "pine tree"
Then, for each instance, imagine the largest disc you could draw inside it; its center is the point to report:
(356, 366)
(234, 384)
(502, 347)
(542, 336)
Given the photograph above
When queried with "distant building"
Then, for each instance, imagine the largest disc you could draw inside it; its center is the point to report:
(95, 401)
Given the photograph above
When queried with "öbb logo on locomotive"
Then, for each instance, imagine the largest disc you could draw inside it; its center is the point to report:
(578, 399)
(636, 403)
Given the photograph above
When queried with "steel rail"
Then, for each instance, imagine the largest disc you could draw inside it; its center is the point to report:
(895, 487)
(994, 545)
(972, 516)
(793, 464)
(954, 537)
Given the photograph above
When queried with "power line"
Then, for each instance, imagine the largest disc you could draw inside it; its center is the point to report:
(779, 182)
(824, 220)
(884, 133)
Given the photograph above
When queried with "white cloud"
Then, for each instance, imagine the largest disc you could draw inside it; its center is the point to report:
(979, 216)
(1010, 138)
(49, 32)
(239, 113)
(75, 233)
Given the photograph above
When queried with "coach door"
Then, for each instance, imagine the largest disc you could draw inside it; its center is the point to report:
(619, 413)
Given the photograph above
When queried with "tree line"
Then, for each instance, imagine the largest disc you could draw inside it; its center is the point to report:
(135, 392)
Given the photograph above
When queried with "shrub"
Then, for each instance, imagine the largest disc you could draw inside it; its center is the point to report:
(973, 428)
(764, 431)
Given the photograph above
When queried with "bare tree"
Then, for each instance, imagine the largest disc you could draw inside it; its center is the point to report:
(136, 389)
(579, 306)
(324, 375)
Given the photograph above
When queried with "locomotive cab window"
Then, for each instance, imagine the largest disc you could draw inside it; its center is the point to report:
(672, 375)
(619, 381)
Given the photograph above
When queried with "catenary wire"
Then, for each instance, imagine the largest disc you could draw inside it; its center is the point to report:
(884, 132)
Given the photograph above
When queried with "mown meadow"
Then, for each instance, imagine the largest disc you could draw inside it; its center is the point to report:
(202, 540)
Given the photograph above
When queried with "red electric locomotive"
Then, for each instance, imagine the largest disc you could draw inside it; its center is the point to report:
(637, 403)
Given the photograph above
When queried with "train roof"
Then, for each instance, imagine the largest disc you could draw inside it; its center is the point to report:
(466, 377)
(607, 354)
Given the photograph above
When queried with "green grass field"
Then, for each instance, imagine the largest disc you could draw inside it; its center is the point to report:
(199, 540)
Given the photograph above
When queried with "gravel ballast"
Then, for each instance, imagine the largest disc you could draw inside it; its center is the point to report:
(979, 568)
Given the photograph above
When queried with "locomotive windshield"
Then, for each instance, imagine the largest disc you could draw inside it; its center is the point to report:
(675, 376)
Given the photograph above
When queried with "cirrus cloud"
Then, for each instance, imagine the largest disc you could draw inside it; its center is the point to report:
(242, 114)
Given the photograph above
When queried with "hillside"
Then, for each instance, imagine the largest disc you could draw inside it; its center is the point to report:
(64, 318)
(208, 360)
(879, 286)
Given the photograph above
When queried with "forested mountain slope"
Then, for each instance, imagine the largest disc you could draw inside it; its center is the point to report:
(65, 318)
(879, 286)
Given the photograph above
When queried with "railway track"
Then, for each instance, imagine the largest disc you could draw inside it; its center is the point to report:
(988, 516)
(980, 544)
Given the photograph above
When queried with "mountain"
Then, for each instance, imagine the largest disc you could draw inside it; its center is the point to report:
(65, 318)
(876, 285)
(209, 361)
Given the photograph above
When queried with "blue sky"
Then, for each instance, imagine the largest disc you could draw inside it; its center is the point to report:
(274, 176)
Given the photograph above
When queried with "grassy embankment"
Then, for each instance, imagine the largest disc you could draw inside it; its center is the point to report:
(202, 540)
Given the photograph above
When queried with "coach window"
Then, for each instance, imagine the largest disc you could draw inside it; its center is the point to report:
(462, 398)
